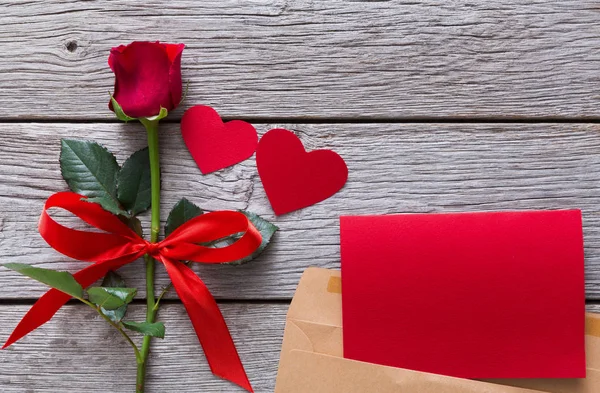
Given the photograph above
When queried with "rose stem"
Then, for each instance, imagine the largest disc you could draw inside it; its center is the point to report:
(152, 130)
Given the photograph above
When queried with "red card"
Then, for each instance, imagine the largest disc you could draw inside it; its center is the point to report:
(471, 295)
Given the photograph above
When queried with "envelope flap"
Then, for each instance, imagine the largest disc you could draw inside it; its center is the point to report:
(312, 337)
(308, 372)
(317, 299)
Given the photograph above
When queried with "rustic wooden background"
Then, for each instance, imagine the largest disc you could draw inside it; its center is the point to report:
(435, 106)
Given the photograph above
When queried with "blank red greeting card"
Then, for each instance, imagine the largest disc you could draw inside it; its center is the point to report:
(471, 295)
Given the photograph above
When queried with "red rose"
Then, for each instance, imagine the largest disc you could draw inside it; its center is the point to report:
(147, 76)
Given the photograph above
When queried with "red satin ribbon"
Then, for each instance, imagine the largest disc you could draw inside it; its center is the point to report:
(118, 245)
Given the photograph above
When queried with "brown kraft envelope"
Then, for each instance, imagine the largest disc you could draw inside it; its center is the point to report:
(312, 359)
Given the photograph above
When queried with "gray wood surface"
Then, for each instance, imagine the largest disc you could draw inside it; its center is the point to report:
(314, 59)
(393, 168)
(72, 354)
(321, 68)
(78, 352)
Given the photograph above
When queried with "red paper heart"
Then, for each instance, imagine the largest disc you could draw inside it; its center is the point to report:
(213, 144)
(294, 179)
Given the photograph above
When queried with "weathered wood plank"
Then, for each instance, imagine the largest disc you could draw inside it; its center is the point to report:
(393, 168)
(78, 352)
(313, 59)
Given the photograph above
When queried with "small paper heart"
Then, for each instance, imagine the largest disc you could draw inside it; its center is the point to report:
(215, 145)
(293, 178)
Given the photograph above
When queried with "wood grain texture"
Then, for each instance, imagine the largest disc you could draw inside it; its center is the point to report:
(78, 352)
(313, 59)
(393, 168)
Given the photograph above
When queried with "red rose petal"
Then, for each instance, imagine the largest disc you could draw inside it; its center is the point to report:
(118, 49)
(174, 52)
(145, 78)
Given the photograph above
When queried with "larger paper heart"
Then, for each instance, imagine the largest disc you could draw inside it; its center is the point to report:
(213, 144)
(294, 179)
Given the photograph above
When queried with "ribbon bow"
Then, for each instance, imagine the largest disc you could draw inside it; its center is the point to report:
(118, 245)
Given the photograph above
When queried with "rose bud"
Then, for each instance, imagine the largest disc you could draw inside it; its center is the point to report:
(147, 77)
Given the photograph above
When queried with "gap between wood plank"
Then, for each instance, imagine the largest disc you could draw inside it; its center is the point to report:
(27, 302)
(30, 301)
(342, 120)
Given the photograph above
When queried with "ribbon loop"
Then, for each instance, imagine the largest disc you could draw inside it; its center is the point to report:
(118, 245)
(116, 240)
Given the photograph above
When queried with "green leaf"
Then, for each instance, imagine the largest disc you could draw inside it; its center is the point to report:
(91, 170)
(119, 111)
(111, 298)
(134, 224)
(156, 329)
(115, 315)
(63, 281)
(133, 183)
(113, 280)
(161, 115)
(183, 211)
(266, 229)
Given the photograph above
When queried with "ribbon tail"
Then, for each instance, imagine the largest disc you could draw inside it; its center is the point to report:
(208, 323)
(44, 309)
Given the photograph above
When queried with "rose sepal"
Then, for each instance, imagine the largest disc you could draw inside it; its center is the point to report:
(119, 111)
(161, 115)
(121, 115)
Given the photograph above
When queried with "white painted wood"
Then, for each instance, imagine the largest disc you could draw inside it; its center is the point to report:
(313, 59)
(393, 168)
(78, 352)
